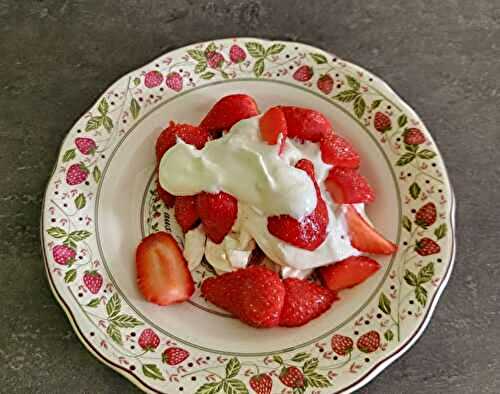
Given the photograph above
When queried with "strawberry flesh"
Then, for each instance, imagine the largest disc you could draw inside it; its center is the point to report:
(218, 213)
(306, 124)
(273, 124)
(192, 135)
(348, 272)
(338, 151)
(348, 186)
(186, 213)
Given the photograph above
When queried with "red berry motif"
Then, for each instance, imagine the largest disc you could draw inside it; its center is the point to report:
(369, 342)
(87, 146)
(148, 340)
(261, 384)
(303, 74)
(92, 281)
(292, 377)
(413, 136)
(63, 254)
(237, 54)
(426, 215)
(214, 59)
(77, 173)
(325, 83)
(174, 355)
(174, 81)
(341, 344)
(426, 247)
(382, 122)
(153, 79)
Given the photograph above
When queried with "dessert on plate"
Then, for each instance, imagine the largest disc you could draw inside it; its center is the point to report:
(274, 202)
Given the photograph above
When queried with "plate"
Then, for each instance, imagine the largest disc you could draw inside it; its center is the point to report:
(100, 202)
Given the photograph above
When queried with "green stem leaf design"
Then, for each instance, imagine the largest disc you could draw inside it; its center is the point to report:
(103, 107)
(389, 335)
(57, 232)
(200, 67)
(421, 295)
(96, 174)
(275, 49)
(425, 274)
(359, 106)
(210, 388)
(69, 155)
(299, 357)
(70, 275)
(232, 368)
(135, 108)
(114, 333)
(352, 82)
(278, 359)
(113, 306)
(440, 231)
(414, 190)
(410, 278)
(107, 122)
(402, 120)
(346, 96)
(152, 371)
(137, 81)
(317, 380)
(318, 58)
(126, 321)
(407, 223)
(93, 303)
(258, 67)
(426, 154)
(405, 159)
(211, 47)
(384, 304)
(375, 104)
(207, 75)
(310, 365)
(80, 201)
(94, 123)
(79, 235)
(234, 386)
(411, 148)
(255, 49)
(197, 55)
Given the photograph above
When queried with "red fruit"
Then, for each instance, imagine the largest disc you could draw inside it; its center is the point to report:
(153, 79)
(214, 59)
(341, 344)
(426, 215)
(364, 237)
(228, 111)
(77, 173)
(148, 340)
(426, 247)
(237, 54)
(382, 122)
(304, 301)
(255, 295)
(348, 186)
(185, 212)
(192, 135)
(162, 274)
(63, 254)
(325, 83)
(338, 151)
(86, 145)
(306, 124)
(273, 124)
(261, 384)
(174, 355)
(174, 81)
(292, 377)
(310, 231)
(218, 213)
(413, 136)
(166, 197)
(349, 272)
(92, 281)
(369, 342)
(303, 74)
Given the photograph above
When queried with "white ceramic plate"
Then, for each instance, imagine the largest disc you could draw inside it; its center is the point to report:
(100, 202)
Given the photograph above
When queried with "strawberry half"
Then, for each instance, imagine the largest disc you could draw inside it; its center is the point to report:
(364, 237)
(348, 186)
(218, 213)
(338, 151)
(306, 124)
(349, 272)
(186, 213)
(273, 124)
(162, 273)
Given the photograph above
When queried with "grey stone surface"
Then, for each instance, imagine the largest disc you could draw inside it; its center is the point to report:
(443, 56)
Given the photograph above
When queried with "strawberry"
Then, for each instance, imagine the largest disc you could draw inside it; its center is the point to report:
(255, 295)
(348, 186)
(87, 146)
(338, 151)
(148, 340)
(304, 301)
(166, 197)
(174, 81)
(63, 254)
(162, 274)
(273, 124)
(341, 344)
(192, 135)
(349, 272)
(303, 74)
(310, 231)
(237, 54)
(76, 174)
(228, 111)
(92, 281)
(364, 237)
(413, 136)
(382, 122)
(426, 247)
(214, 59)
(325, 83)
(152, 79)
(261, 384)
(369, 342)
(218, 213)
(186, 213)
(306, 124)
(174, 355)
(426, 215)
(292, 377)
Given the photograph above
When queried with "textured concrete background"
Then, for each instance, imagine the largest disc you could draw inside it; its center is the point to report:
(57, 56)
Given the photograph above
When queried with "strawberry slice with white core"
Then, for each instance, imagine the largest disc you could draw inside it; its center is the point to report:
(348, 186)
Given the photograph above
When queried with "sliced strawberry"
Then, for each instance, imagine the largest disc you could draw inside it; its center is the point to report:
(364, 237)
(304, 301)
(192, 135)
(272, 125)
(338, 151)
(306, 124)
(186, 213)
(349, 272)
(166, 197)
(255, 295)
(218, 213)
(228, 111)
(348, 186)
(162, 273)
